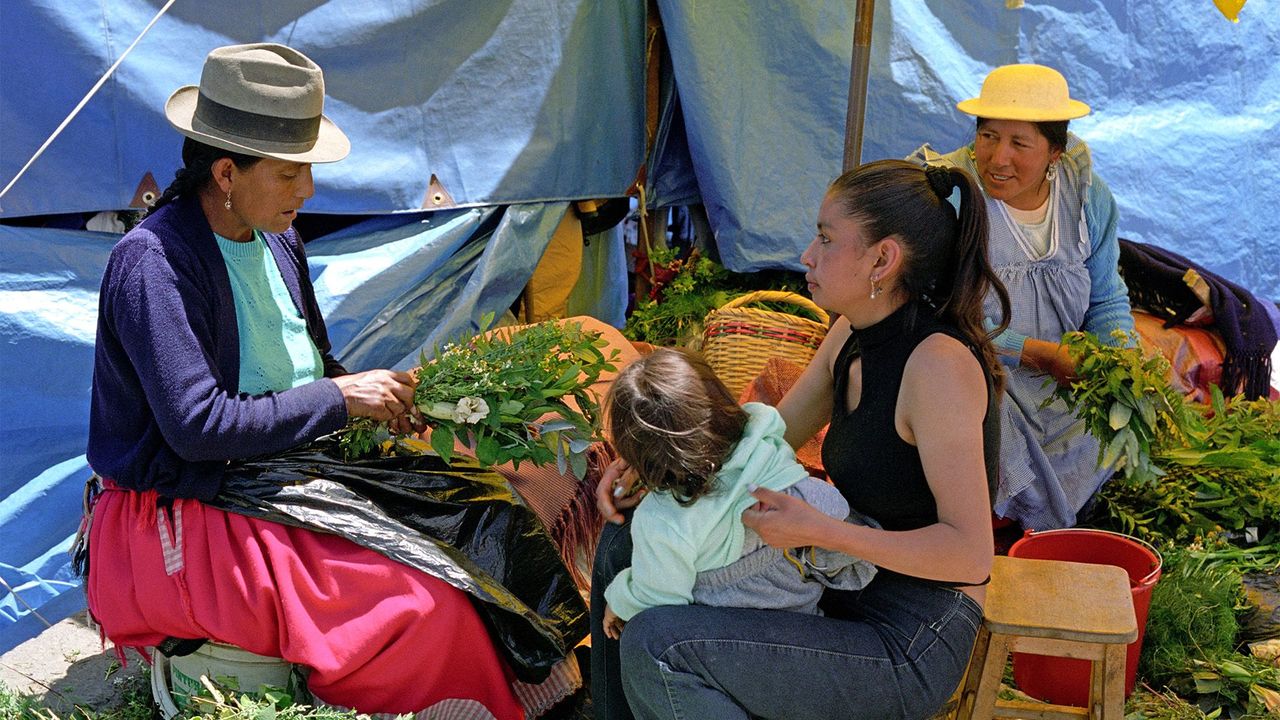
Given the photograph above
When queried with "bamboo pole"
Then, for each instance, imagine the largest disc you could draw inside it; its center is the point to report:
(858, 71)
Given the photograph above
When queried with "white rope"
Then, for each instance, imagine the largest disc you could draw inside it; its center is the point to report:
(85, 101)
(25, 604)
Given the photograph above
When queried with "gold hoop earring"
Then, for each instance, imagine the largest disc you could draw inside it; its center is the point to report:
(227, 204)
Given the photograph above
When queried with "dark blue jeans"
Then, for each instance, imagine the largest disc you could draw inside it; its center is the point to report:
(896, 649)
(613, 554)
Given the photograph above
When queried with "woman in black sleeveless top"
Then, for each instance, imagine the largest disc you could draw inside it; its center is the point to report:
(908, 380)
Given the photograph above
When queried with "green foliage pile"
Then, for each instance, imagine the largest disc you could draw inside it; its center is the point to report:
(1184, 471)
(531, 385)
(690, 287)
(215, 703)
(1191, 649)
(510, 395)
(219, 703)
(1192, 616)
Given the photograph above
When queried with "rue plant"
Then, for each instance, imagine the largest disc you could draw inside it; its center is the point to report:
(509, 395)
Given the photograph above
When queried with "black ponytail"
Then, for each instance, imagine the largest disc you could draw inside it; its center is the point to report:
(197, 170)
(945, 263)
(972, 275)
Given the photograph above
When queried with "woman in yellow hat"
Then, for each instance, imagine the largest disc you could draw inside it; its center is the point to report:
(211, 349)
(1053, 245)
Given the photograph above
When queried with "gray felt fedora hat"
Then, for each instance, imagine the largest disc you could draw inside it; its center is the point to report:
(260, 99)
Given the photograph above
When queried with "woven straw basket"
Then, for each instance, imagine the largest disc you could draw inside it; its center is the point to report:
(738, 340)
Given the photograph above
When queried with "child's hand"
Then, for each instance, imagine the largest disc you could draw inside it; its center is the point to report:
(783, 521)
(612, 624)
(617, 490)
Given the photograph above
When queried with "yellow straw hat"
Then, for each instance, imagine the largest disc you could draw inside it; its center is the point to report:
(1034, 93)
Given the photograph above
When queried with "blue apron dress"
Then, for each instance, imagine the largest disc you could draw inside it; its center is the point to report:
(1048, 462)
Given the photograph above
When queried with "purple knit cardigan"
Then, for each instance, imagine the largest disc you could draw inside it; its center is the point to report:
(166, 412)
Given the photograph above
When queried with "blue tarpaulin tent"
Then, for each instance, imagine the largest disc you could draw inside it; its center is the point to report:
(519, 107)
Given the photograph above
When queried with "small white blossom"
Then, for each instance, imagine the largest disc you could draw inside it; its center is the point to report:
(471, 410)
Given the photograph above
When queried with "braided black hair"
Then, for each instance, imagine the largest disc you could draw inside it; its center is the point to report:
(197, 165)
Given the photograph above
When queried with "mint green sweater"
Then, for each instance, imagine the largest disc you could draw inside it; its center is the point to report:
(673, 543)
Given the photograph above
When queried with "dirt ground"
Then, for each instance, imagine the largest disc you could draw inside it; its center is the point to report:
(67, 667)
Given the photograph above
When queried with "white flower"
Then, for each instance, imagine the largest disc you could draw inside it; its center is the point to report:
(471, 410)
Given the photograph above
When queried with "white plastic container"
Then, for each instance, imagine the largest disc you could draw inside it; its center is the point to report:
(175, 679)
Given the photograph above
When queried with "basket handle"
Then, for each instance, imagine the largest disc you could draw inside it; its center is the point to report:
(779, 296)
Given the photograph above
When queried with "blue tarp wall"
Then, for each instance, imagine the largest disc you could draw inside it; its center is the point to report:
(520, 106)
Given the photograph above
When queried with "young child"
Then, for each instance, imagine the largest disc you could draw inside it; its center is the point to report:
(699, 454)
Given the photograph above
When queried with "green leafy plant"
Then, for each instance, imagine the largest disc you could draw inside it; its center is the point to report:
(686, 288)
(1125, 400)
(684, 291)
(509, 395)
(1188, 471)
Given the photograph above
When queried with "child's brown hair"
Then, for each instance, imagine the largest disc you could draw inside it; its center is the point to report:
(673, 421)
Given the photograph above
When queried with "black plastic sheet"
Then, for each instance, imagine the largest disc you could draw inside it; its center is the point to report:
(459, 522)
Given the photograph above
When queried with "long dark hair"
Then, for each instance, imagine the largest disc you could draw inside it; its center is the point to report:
(945, 263)
(197, 164)
(674, 422)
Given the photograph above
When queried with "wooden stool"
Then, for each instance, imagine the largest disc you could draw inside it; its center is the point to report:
(1051, 607)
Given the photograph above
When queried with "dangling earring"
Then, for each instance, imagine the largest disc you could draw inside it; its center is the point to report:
(227, 204)
(875, 287)
(1051, 172)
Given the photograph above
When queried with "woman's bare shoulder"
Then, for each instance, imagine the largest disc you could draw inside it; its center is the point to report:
(942, 366)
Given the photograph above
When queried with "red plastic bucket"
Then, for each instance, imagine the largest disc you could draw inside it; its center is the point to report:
(1065, 681)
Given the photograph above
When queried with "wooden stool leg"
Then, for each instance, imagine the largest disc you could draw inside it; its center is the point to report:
(1097, 687)
(1113, 682)
(972, 674)
(984, 700)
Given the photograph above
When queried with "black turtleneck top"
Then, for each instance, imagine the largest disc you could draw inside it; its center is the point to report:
(878, 472)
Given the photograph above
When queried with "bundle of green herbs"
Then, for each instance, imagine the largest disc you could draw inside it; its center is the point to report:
(1125, 400)
(1193, 616)
(1184, 471)
(686, 286)
(684, 290)
(1191, 645)
(509, 395)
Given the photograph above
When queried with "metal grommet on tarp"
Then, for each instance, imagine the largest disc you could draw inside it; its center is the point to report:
(146, 193)
(437, 196)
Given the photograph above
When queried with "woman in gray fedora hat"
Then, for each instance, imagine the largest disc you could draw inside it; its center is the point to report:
(211, 348)
(1053, 244)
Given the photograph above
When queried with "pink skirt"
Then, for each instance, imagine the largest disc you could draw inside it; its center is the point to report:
(378, 636)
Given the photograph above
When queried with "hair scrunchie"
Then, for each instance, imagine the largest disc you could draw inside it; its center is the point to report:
(940, 180)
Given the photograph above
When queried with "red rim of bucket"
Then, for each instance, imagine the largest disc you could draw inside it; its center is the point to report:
(1155, 571)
